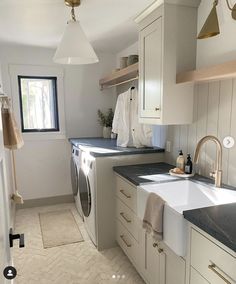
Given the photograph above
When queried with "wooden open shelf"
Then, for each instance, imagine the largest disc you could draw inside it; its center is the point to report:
(216, 72)
(120, 77)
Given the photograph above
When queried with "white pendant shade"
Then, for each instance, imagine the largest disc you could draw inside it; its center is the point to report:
(75, 47)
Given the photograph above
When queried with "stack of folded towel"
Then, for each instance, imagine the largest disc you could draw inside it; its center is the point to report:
(153, 217)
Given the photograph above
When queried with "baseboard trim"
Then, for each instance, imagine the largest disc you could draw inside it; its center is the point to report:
(46, 201)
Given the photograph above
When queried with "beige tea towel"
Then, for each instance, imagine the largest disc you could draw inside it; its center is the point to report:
(153, 217)
(11, 134)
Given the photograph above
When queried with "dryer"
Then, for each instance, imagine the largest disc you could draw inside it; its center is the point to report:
(75, 168)
(87, 193)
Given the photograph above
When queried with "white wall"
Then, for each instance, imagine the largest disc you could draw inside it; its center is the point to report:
(214, 102)
(220, 48)
(43, 166)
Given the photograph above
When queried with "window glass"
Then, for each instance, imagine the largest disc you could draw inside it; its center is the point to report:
(38, 104)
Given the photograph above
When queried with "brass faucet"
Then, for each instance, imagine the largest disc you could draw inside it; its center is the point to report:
(217, 174)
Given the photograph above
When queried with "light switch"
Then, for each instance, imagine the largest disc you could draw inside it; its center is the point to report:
(168, 146)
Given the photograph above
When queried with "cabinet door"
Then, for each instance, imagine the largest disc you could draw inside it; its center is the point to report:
(151, 70)
(174, 268)
(196, 278)
(152, 263)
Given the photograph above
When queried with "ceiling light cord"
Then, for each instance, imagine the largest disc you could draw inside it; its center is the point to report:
(73, 14)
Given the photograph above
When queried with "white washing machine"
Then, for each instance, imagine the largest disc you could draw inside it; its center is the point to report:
(87, 192)
(96, 197)
(75, 167)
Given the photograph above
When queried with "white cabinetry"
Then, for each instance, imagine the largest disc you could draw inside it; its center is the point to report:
(210, 262)
(167, 45)
(155, 262)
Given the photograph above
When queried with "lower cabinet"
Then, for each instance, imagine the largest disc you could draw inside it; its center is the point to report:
(215, 264)
(162, 265)
(154, 261)
(196, 278)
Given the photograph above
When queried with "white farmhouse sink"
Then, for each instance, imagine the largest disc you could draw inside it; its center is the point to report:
(179, 196)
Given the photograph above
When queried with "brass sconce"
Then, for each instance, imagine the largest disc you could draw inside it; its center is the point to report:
(211, 25)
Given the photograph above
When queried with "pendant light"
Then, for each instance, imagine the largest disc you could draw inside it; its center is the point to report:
(211, 25)
(74, 47)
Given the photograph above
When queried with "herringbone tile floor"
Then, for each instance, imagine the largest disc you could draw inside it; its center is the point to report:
(78, 263)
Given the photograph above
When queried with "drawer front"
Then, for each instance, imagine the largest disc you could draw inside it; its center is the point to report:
(196, 278)
(212, 262)
(127, 193)
(127, 217)
(127, 242)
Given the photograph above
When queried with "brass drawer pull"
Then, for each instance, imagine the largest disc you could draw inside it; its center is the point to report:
(125, 194)
(123, 239)
(212, 267)
(157, 108)
(125, 218)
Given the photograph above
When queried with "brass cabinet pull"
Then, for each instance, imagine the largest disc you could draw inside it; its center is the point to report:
(212, 267)
(155, 245)
(160, 250)
(125, 194)
(123, 239)
(125, 218)
(157, 108)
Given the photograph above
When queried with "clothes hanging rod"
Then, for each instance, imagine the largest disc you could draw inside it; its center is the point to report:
(118, 84)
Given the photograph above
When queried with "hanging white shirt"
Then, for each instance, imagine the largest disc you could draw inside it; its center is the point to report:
(130, 132)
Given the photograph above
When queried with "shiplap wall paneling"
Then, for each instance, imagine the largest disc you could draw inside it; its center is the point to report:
(225, 108)
(202, 124)
(232, 151)
(212, 124)
(214, 114)
(192, 128)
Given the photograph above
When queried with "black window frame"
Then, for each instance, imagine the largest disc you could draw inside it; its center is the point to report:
(55, 101)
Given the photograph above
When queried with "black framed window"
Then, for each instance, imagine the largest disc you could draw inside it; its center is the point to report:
(38, 104)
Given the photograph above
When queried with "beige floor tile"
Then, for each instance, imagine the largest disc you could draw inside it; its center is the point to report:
(78, 263)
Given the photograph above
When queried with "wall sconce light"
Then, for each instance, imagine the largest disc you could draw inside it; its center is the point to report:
(211, 25)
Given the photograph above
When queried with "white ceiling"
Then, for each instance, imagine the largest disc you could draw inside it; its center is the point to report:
(108, 23)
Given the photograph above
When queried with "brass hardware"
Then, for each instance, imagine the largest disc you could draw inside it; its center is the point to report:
(211, 25)
(125, 194)
(72, 3)
(125, 218)
(233, 14)
(160, 250)
(212, 267)
(123, 239)
(157, 108)
(155, 245)
(218, 171)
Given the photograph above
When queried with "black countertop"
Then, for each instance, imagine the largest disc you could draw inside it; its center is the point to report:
(218, 221)
(101, 147)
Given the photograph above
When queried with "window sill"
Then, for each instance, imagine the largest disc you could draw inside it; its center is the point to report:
(43, 136)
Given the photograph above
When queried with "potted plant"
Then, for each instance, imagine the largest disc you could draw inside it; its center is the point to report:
(105, 120)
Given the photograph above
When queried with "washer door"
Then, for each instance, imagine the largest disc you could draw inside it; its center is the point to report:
(74, 176)
(85, 193)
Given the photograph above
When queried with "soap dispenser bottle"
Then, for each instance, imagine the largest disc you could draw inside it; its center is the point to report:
(180, 161)
(189, 165)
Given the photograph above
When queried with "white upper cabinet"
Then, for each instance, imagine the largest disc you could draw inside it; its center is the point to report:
(167, 46)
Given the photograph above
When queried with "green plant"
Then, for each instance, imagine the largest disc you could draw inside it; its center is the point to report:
(105, 119)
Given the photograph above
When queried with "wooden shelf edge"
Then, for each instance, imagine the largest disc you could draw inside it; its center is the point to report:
(121, 75)
(216, 72)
